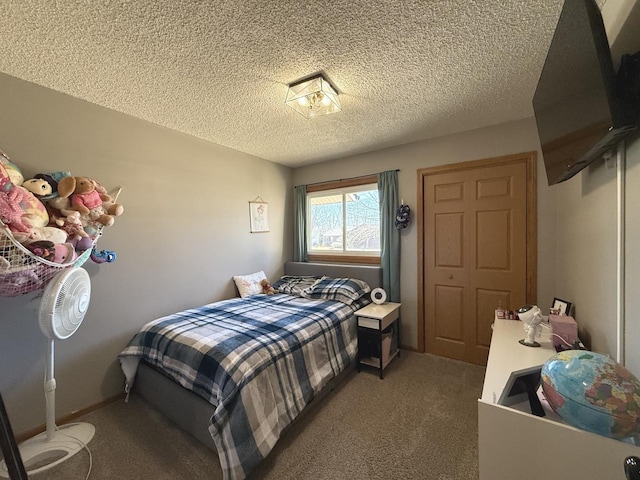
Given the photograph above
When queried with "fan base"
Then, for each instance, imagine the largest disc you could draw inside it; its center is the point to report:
(39, 454)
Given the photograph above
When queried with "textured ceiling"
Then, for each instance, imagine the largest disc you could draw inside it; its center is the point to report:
(406, 70)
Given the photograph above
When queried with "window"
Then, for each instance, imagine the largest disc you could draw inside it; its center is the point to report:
(343, 220)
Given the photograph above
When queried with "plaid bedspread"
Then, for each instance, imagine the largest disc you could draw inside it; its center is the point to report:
(258, 360)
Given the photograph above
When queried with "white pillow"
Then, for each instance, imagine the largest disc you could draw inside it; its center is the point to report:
(249, 284)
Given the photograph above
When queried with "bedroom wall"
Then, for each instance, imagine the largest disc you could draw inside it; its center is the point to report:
(632, 258)
(586, 252)
(587, 246)
(509, 138)
(588, 222)
(184, 234)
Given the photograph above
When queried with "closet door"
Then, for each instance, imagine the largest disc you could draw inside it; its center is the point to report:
(475, 243)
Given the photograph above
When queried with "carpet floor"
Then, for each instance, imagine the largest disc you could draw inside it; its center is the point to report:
(419, 422)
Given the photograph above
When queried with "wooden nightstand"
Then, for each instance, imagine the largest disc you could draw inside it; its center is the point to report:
(372, 342)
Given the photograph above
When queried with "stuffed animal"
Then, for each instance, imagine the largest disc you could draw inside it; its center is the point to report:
(72, 225)
(20, 210)
(17, 283)
(39, 187)
(45, 185)
(102, 256)
(87, 199)
(14, 175)
(59, 208)
(108, 202)
(43, 249)
(58, 253)
(82, 244)
(267, 288)
(85, 243)
(64, 253)
(11, 212)
(36, 234)
(10, 257)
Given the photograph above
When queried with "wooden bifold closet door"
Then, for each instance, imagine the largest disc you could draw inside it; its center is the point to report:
(477, 244)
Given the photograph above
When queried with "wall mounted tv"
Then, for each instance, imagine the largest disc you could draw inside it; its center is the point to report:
(579, 108)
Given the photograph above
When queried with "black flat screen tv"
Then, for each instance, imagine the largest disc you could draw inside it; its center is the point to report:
(578, 106)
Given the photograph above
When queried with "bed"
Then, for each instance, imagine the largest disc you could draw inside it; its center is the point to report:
(237, 373)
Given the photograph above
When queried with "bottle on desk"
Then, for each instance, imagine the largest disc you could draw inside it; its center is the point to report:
(500, 312)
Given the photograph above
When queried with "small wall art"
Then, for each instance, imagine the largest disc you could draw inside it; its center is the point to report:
(258, 216)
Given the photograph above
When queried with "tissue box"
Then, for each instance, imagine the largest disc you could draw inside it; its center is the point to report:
(564, 326)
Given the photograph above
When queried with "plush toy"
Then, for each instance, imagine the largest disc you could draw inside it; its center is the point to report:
(19, 208)
(102, 256)
(17, 283)
(108, 201)
(36, 234)
(64, 253)
(39, 187)
(11, 212)
(59, 208)
(72, 225)
(45, 185)
(267, 288)
(35, 213)
(12, 170)
(87, 199)
(43, 249)
(10, 257)
(5, 180)
(82, 244)
(57, 253)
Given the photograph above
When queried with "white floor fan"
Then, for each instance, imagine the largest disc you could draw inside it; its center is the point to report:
(62, 308)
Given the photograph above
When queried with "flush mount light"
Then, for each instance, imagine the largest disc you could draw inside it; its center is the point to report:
(313, 97)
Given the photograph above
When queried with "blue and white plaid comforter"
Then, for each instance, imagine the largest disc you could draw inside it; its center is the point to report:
(258, 360)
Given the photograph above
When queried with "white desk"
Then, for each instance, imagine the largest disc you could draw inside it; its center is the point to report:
(515, 444)
(509, 356)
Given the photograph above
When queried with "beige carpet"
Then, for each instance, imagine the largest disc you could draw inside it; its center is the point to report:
(419, 422)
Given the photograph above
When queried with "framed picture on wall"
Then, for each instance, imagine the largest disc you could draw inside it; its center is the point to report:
(259, 217)
(561, 306)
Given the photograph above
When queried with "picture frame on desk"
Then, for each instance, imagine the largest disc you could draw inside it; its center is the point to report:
(561, 306)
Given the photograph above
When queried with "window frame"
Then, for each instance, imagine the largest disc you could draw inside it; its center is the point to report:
(366, 258)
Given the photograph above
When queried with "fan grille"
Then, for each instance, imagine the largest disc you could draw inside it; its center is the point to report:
(64, 303)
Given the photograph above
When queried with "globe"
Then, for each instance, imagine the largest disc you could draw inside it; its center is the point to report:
(590, 391)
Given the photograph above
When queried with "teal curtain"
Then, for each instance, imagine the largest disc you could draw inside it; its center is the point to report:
(300, 224)
(389, 234)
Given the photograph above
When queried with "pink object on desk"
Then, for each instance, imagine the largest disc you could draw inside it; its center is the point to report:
(564, 326)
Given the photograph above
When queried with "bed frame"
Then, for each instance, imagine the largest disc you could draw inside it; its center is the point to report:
(191, 412)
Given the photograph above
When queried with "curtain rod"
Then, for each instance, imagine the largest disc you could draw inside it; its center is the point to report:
(343, 179)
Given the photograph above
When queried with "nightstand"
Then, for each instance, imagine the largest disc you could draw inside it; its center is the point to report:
(375, 348)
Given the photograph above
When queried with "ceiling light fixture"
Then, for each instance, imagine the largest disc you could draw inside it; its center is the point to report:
(313, 97)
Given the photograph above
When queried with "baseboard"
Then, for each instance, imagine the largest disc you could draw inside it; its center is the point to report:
(410, 349)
